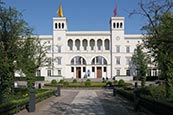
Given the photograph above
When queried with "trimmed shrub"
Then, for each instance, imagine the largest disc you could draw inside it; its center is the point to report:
(115, 82)
(88, 82)
(74, 81)
(66, 83)
(109, 84)
(54, 82)
(61, 81)
(121, 82)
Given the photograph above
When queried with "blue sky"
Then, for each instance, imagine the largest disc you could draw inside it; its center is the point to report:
(89, 15)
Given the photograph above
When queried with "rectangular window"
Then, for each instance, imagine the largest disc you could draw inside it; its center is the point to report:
(48, 61)
(59, 49)
(84, 69)
(72, 69)
(118, 60)
(118, 72)
(105, 69)
(59, 60)
(127, 72)
(38, 73)
(154, 72)
(59, 72)
(48, 72)
(117, 49)
(93, 69)
(128, 61)
(127, 49)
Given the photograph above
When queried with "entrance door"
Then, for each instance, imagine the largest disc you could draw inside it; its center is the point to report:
(99, 72)
(78, 72)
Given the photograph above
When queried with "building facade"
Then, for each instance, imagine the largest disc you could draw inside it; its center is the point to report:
(91, 54)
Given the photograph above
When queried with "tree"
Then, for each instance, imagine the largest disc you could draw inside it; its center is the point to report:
(32, 56)
(140, 61)
(159, 38)
(18, 50)
(12, 27)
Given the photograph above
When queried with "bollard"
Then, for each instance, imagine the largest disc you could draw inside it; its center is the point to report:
(58, 90)
(32, 101)
(39, 86)
(136, 84)
(136, 101)
(114, 91)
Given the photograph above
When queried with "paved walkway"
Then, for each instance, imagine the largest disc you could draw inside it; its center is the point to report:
(84, 102)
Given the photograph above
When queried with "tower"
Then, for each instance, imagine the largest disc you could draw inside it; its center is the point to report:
(59, 45)
(116, 39)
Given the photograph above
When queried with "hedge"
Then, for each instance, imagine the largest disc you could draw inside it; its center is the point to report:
(37, 78)
(14, 106)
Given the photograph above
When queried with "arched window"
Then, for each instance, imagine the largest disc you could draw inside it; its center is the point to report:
(121, 25)
(106, 44)
(59, 25)
(62, 25)
(114, 25)
(117, 25)
(78, 60)
(99, 60)
(77, 44)
(56, 25)
(70, 44)
(92, 44)
(85, 44)
(99, 44)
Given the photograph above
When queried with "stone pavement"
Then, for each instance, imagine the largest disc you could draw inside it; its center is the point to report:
(84, 102)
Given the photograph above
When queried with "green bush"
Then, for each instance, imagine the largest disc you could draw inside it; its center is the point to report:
(61, 81)
(66, 83)
(54, 82)
(109, 84)
(104, 81)
(88, 82)
(74, 81)
(13, 106)
(37, 78)
(115, 82)
(121, 82)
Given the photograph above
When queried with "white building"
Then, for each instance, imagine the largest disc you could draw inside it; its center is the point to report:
(95, 54)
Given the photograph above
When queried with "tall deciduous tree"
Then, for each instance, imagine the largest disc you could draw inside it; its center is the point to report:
(12, 26)
(18, 50)
(140, 61)
(159, 40)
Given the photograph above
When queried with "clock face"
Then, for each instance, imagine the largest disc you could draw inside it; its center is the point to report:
(59, 38)
(117, 38)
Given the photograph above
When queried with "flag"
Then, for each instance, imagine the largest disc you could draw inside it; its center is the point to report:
(59, 11)
(115, 11)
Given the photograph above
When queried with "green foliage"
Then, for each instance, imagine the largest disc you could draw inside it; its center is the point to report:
(140, 61)
(78, 84)
(66, 83)
(109, 84)
(159, 40)
(88, 82)
(14, 105)
(143, 80)
(61, 81)
(74, 80)
(115, 82)
(37, 78)
(54, 82)
(121, 82)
